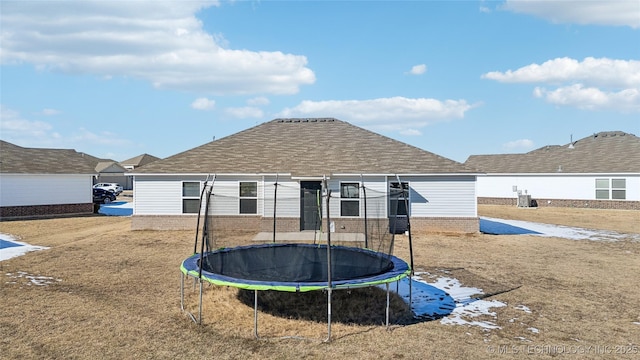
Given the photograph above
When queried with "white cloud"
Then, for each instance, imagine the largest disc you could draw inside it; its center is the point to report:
(590, 98)
(28, 133)
(592, 84)
(411, 132)
(50, 112)
(244, 112)
(418, 69)
(258, 101)
(385, 114)
(521, 144)
(157, 41)
(14, 128)
(598, 12)
(203, 104)
(594, 71)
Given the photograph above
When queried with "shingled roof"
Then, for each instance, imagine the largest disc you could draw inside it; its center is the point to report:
(601, 153)
(305, 147)
(15, 159)
(139, 160)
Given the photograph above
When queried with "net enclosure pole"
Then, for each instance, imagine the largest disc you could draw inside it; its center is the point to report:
(366, 227)
(406, 206)
(327, 193)
(275, 199)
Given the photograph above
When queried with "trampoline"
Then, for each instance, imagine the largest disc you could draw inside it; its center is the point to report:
(295, 267)
(292, 266)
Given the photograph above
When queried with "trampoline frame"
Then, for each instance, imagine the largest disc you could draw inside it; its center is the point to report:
(190, 268)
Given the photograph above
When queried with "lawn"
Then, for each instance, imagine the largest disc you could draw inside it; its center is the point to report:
(103, 291)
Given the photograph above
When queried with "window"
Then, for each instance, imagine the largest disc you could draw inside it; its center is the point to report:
(398, 198)
(190, 197)
(248, 197)
(602, 189)
(617, 190)
(349, 199)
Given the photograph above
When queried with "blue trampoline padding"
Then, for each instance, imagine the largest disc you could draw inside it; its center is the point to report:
(5, 244)
(283, 270)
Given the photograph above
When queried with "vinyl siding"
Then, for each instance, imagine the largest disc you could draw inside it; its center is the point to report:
(441, 196)
(430, 196)
(288, 204)
(45, 189)
(579, 187)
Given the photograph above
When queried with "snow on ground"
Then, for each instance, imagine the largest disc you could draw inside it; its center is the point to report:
(118, 208)
(437, 297)
(550, 230)
(10, 247)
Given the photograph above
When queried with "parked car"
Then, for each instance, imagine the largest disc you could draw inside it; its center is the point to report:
(113, 187)
(102, 196)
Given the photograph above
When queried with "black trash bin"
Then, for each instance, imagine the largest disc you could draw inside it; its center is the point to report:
(398, 224)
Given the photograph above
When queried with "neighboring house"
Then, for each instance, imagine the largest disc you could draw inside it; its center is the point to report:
(132, 164)
(298, 154)
(598, 171)
(136, 162)
(110, 171)
(44, 182)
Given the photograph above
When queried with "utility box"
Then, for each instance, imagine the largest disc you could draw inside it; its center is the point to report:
(524, 200)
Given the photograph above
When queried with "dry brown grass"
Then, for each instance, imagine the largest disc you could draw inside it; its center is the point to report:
(115, 295)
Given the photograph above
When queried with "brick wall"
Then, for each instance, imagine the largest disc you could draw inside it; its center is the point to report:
(593, 204)
(45, 210)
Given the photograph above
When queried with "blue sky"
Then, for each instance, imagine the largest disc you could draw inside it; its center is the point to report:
(117, 79)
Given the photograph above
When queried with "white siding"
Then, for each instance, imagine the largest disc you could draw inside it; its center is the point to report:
(442, 196)
(430, 196)
(288, 204)
(226, 199)
(158, 195)
(579, 187)
(45, 189)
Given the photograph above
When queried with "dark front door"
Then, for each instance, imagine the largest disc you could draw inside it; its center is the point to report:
(310, 205)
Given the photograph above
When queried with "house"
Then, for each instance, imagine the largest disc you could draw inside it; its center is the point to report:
(135, 162)
(598, 171)
(297, 154)
(37, 182)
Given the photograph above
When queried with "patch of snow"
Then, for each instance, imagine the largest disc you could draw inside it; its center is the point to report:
(522, 338)
(33, 279)
(523, 308)
(446, 299)
(636, 322)
(533, 330)
(119, 208)
(567, 232)
(13, 251)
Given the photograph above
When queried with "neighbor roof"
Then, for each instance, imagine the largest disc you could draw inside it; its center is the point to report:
(306, 147)
(20, 160)
(604, 152)
(140, 160)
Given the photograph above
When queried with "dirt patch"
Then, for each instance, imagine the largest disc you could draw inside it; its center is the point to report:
(113, 293)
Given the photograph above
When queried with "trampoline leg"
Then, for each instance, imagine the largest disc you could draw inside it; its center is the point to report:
(387, 311)
(255, 314)
(200, 305)
(181, 291)
(328, 315)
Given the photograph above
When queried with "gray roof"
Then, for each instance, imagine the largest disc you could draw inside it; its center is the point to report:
(140, 160)
(602, 153)
(305, 147)
(15, 159)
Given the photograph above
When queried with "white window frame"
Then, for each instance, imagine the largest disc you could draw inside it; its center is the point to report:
(190, 198)
(346, 199)
(241, 198)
